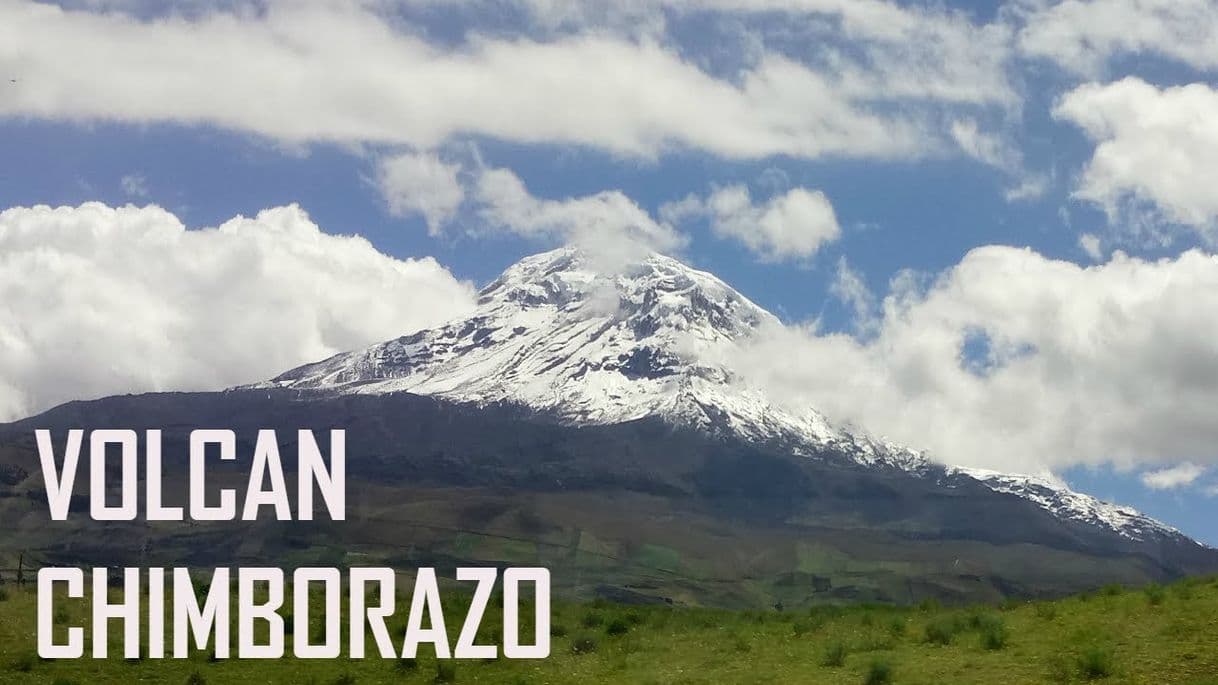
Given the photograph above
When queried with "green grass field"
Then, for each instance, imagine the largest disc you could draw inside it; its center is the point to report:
(1145, 635)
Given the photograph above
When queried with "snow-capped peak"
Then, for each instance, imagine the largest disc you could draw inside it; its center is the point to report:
(560, 336)
(557, 335)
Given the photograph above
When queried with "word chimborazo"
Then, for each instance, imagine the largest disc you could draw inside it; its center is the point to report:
(260, 592)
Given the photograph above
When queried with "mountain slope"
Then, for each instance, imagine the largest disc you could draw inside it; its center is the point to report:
(556, 335)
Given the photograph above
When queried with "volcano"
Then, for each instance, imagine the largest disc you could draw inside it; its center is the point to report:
(588, 419)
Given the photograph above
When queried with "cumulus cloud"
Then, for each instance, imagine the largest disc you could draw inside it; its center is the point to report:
(1013, 361)
(607, 223)
(788, 226)
(1155, 147)
(349, 73)
(100, 300)
(1083, 35)
(1173, 477)
(420, 183)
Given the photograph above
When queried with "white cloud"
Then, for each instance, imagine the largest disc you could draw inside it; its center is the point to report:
(848, 286)
(348, 74)
(608, 223)
(1001, 153)
(1084, 35)
(792, 225)
(1156, 147)
(1172, 477)
(420, 183)
(1115, 363)
(1090, 244)
(134, 186)
(100, 300)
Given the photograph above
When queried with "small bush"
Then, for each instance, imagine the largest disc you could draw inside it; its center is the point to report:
(1046, 610)
(558, 630)
(592, 620)
(993, 633)
(1095, 663)
(800, 628)
(878, 673)
(834, 656)
(741, 645)
(1112, 590)
(896, 627)
(583, 645)
(929, 604)
(406, 665)
(941, 631)
(3, 594)
(344, 679)
(634, 618)
(66, 681)
(23, 663)
(617, 627)
(1155, 594)
(446, 672)
(196, 678)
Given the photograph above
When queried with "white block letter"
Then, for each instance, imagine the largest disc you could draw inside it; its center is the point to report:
(512, 648)
(47, 577)
(59, 483)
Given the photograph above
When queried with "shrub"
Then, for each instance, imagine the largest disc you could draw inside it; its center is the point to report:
(558, 630)
(446, 672)
(800, 628)
(617, 627)
(1112, 590)
(1046, 610)
(993, 633)
(929, 604)
(592, 619)
(583, 645)
(634, 618)
(834, 656)
(941, 631)
(405, 665)
(23, 663)
(65, 681)
(344, 679)
(1155, 594)
(1095, 663)
(896, 627)
(196, 678)
(3, 594)
(879, 672)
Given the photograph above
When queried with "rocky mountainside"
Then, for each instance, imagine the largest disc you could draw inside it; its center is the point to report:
(557, 335)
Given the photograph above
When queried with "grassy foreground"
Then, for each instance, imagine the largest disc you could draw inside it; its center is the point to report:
(1148, 635)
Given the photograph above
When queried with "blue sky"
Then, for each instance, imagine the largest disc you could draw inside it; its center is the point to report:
(929, 117)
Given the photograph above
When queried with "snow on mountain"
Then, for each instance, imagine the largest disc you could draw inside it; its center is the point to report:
(564, 338)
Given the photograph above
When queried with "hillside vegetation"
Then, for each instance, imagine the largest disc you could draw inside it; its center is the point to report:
(1148, 635)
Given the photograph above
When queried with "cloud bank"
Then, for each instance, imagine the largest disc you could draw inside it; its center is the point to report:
(1017, 362)
(102, 300)
(352, 73)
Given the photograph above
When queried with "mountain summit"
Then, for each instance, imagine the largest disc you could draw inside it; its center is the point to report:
(573, 343)
(557, 335)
